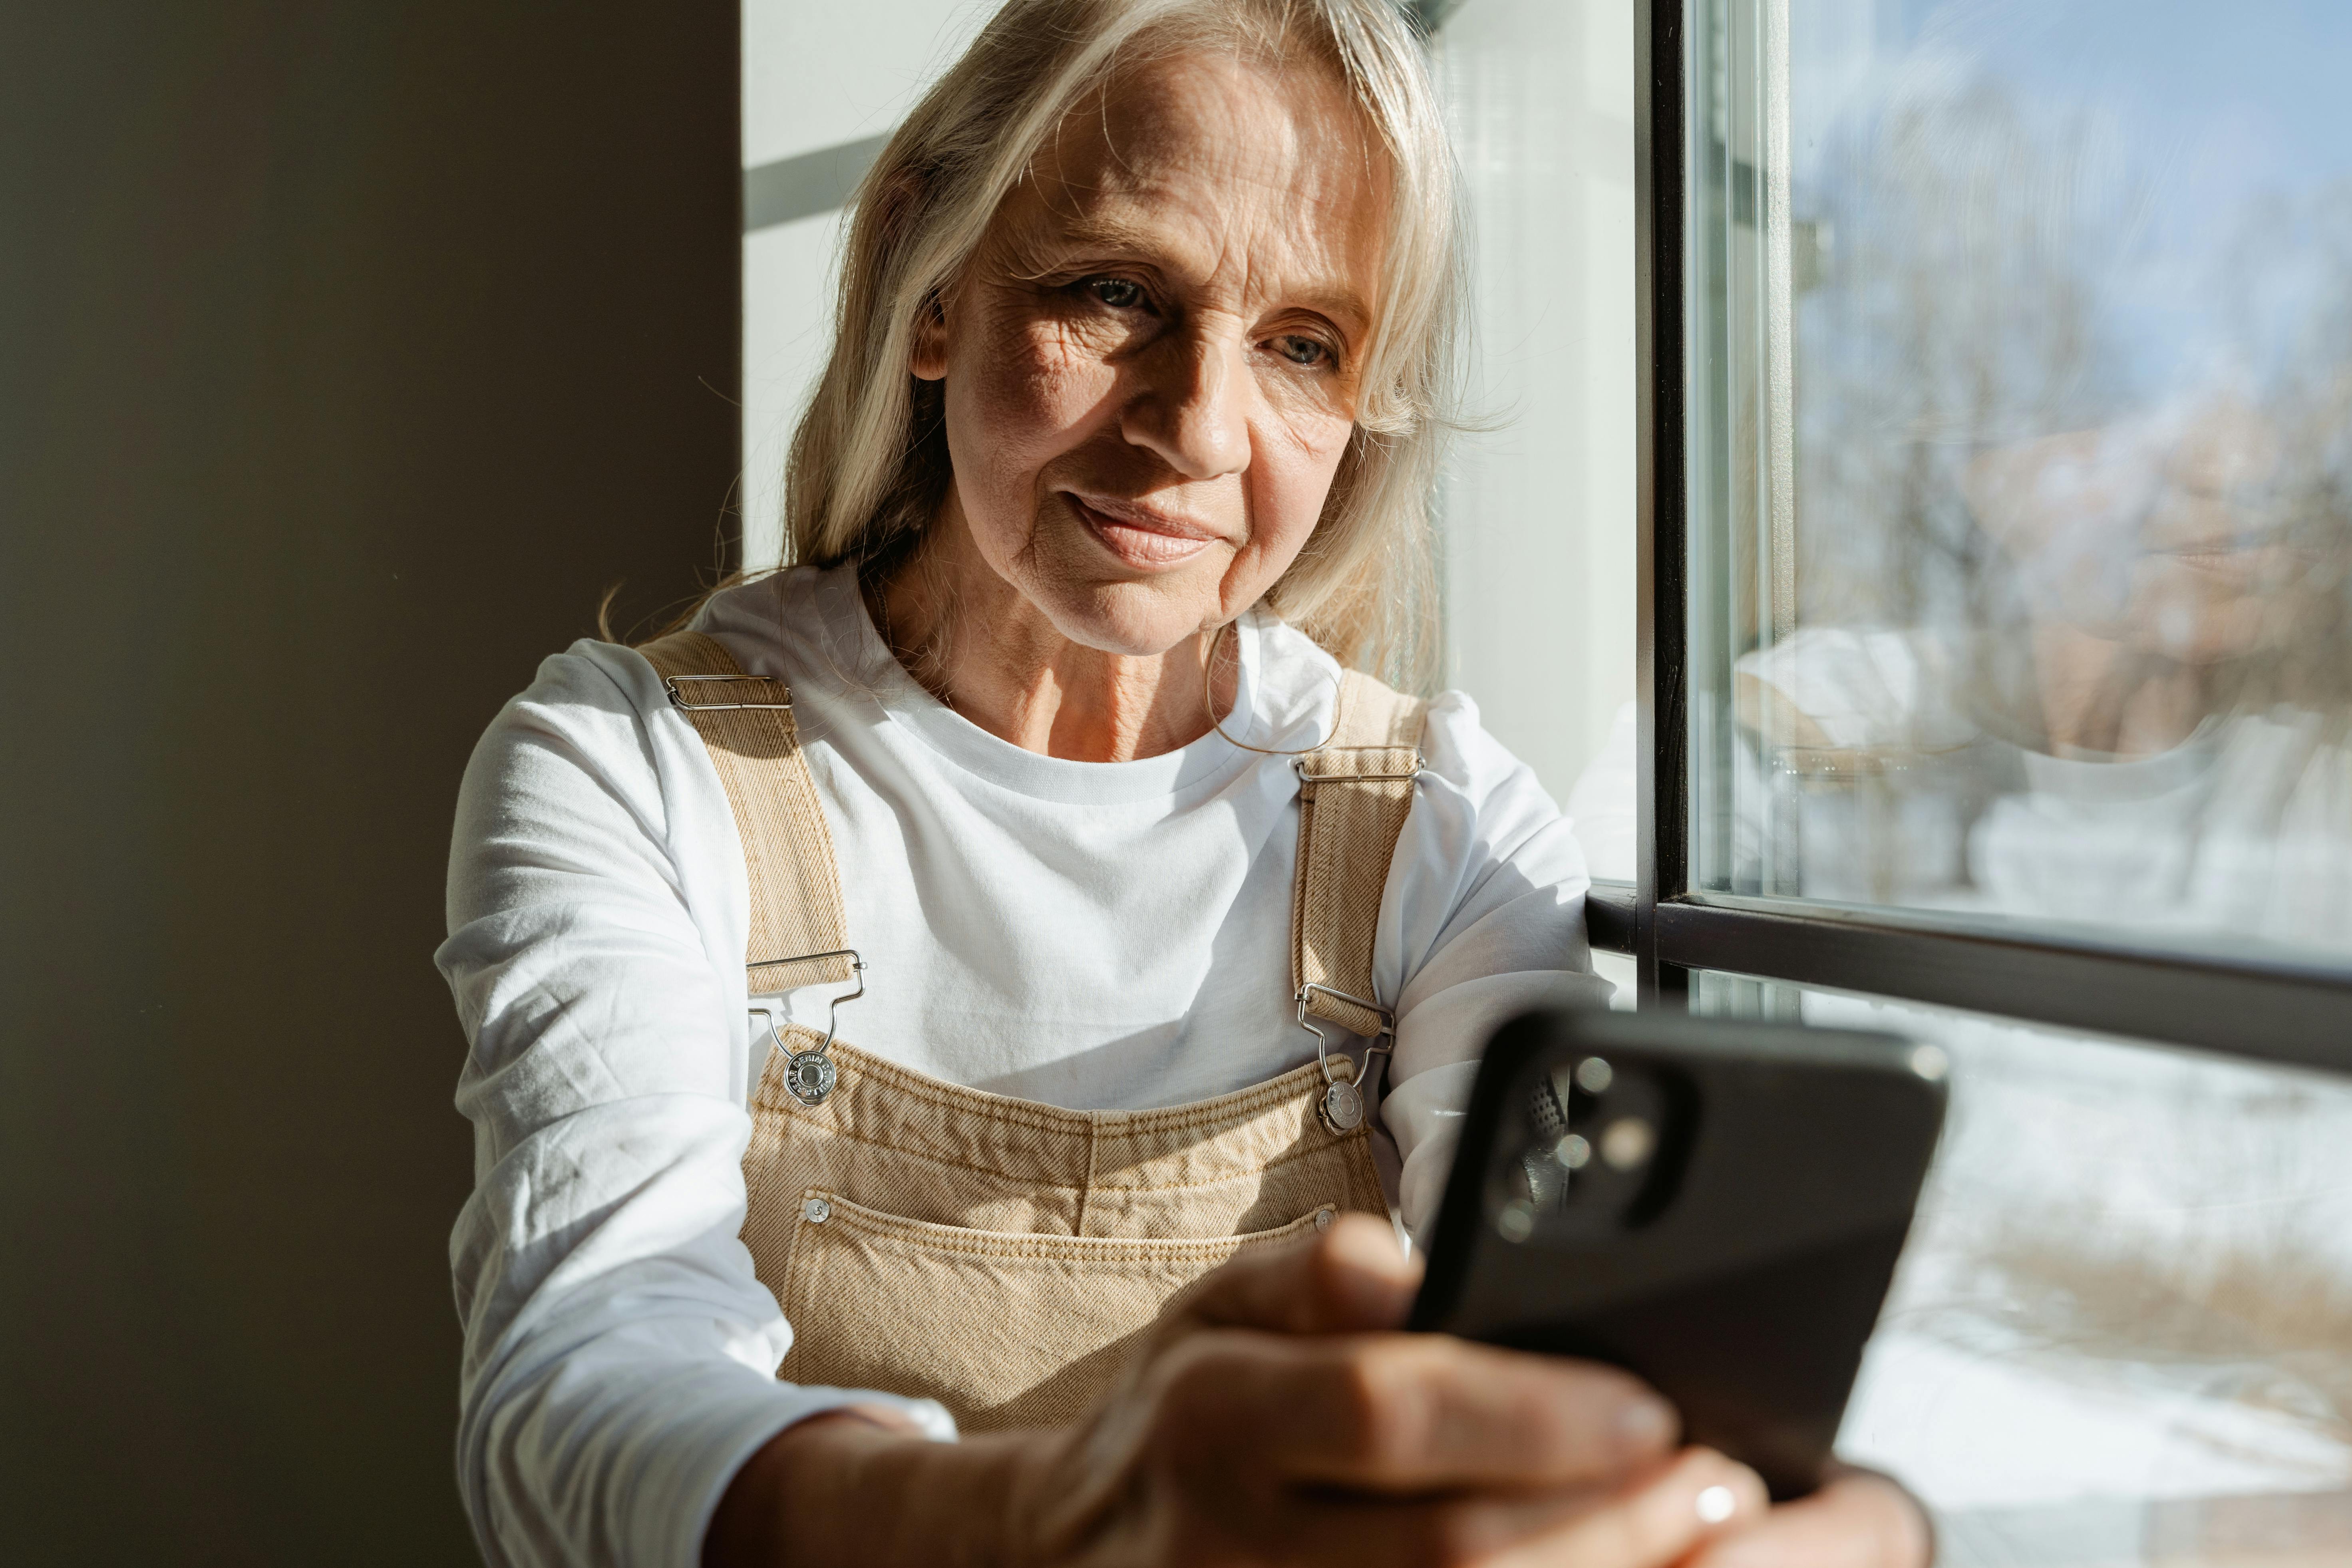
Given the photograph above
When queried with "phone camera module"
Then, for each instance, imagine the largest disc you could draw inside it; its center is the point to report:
(1598, 1148)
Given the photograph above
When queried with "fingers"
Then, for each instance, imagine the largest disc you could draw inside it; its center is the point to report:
(1656, 1521)
(1352, 1279)
(1322, 1397)
(1857, 1520)
(1404, 1412)
(1699, 1496)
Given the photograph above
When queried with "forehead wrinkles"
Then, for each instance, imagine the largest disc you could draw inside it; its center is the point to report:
(1234, 165)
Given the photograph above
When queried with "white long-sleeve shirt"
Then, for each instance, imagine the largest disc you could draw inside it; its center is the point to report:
(1092, 935)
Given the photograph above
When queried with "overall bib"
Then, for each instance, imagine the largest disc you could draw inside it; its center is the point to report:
(1003, 1256)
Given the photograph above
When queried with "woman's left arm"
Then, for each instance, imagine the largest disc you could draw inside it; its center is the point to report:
(1483, 917)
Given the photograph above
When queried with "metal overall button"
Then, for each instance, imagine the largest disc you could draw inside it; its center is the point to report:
(816, 1211)
(1340, 1107)
(1343, 1106)
(809, 1074)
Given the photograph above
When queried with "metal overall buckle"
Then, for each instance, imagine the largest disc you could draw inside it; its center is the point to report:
(1341, 1106)
(670, 684)
(809, 1075)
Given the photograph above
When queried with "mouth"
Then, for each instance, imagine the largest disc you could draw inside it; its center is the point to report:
(1138, 537)
(2214, 560)
(2238, 562)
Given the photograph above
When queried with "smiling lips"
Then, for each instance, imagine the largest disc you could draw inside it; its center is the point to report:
(1145, 540)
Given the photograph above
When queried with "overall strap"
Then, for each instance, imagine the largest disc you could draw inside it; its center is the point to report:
(1353, 794)
(746, 723)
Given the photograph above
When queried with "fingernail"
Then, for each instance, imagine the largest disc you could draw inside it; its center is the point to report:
(1646, 1424)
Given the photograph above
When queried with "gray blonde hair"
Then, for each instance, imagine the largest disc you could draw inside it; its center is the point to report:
(868, 464)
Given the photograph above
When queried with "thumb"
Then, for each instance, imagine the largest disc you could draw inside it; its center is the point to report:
(1352, 1279)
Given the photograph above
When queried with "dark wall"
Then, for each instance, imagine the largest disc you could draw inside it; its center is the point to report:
(348, 351)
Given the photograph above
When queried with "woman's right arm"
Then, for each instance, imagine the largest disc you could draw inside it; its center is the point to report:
(620, 1356)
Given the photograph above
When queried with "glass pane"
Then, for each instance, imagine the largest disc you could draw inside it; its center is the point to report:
(2122, 1331)
(2021, 422)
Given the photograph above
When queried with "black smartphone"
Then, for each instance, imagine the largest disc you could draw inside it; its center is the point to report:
(1715, 1205)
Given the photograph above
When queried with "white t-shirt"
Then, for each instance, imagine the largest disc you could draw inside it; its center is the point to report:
(1092, 935)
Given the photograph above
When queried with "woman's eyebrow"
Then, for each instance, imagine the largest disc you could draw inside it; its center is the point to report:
(1110, 234)
(1093, 231)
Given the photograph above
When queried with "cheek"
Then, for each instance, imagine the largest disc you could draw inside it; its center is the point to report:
(1291, 479)
(1020, 391)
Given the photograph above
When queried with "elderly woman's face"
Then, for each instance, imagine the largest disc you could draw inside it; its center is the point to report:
(1151, 364)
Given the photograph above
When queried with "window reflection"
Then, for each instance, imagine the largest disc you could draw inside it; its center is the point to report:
(2045, 314)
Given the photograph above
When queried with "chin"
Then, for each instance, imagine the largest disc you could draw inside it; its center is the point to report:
(1135, 620)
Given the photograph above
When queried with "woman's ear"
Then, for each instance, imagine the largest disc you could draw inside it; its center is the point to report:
(926, 357)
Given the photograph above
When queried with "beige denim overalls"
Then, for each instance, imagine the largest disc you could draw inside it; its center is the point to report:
(1002, 1257)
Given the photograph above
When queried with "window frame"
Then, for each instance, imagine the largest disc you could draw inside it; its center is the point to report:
(2265, 1009)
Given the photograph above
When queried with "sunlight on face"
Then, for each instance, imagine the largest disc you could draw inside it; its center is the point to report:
(1150, 366)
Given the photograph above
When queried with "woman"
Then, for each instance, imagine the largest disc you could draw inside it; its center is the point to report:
(1043, 762)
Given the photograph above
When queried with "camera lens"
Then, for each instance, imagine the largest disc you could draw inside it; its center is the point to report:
(1627, 1143)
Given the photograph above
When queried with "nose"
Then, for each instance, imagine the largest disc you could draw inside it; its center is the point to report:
(1193, 407)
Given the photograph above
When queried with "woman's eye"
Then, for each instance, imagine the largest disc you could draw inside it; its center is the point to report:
(1302, 351)
(1118, 293)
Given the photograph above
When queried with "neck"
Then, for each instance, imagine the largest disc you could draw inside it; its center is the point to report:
(980, 646)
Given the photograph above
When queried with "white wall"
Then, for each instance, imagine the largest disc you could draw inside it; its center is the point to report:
(1538, 514)
(815, 76)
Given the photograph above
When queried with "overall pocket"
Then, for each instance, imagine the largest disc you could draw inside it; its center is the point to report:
(1006, 1329)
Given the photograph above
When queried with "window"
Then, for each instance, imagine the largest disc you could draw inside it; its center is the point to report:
(1995, 687)
(2019, 490)
(1996, 541)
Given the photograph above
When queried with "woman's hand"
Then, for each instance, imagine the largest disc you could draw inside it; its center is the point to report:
(1282, 1420)
(1278, 1422)
(1857, 1521)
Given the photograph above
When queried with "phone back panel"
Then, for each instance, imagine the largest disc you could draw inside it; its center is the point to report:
(1716, 1206)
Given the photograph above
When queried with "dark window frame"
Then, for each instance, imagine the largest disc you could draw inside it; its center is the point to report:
(2248, 1005)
